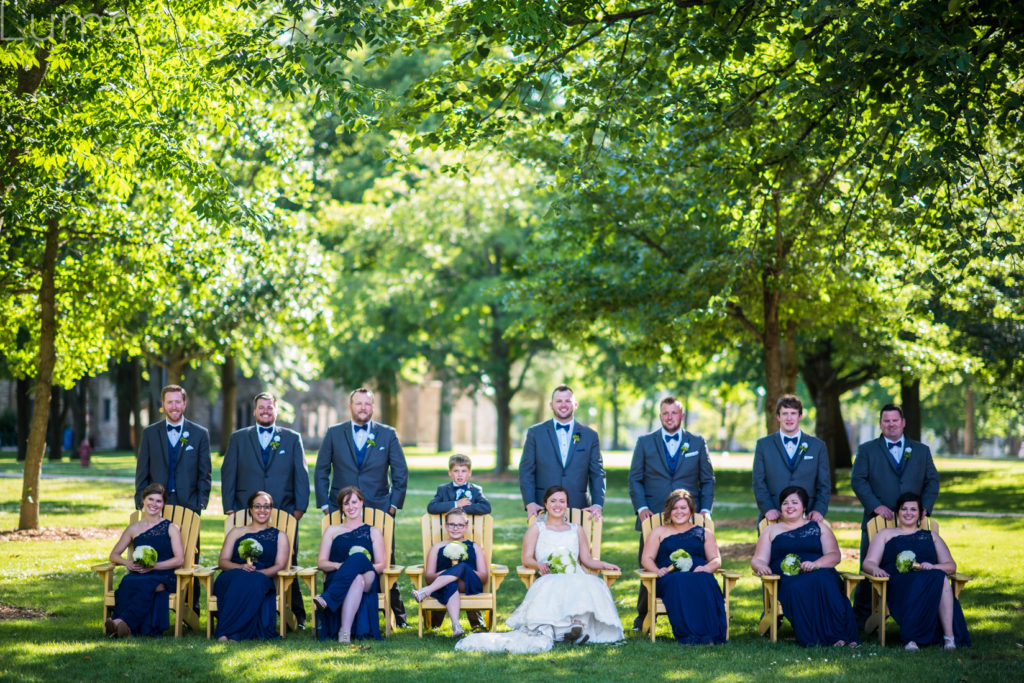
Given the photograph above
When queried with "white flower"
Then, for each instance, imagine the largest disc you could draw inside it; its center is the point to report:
(185, 434)
(685, 446)
(905, 561)
(144, 555)
(456, 551)
(561, 561)
(250, 549)
(371, 436)
(790, 565)
(360, 549)
(682, 560)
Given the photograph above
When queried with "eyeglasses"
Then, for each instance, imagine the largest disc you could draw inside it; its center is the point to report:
(262, 507)
(456, 526)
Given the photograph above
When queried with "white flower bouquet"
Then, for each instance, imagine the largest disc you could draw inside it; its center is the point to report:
(250, 550)
(561, 561)
(144, 555)
(681, 560)
(906, 561)
(790, 564)
(456, 551)
(360, 549)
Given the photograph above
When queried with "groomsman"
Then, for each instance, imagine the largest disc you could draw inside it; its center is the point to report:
(667, 459)
(562, 452)
(367, 454)
(790, 458)
(885, 468)
(268, 457)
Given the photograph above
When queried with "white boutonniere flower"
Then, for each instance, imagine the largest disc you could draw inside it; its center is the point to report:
(803, 447)
(906, 453)
(575, 438)
(371, 439)
(685, 446)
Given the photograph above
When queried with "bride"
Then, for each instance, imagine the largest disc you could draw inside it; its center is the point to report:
(568, 605)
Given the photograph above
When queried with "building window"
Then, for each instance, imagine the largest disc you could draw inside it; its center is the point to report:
(106, 410)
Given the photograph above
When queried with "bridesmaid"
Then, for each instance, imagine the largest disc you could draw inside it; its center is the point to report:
(920, 601)
(812, 600)
(140, 601)
(246, 595)
(692, 598)
(348, 605)
(449, 579)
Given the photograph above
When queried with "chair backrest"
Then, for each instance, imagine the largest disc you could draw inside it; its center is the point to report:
(762, 525)
(877, 523)
(279, 519)
(187, 521)
(480, 530)
(371, 516)
(647, 526)
(591, 529)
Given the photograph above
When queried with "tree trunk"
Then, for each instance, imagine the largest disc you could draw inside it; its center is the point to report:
(444, 417)
(23, 401)
(126, 393)
(79, 414)
(157, 375)
(969, 420)
(910, 397)
(503, 442)
(135, 399)
(47, 360)
(229, 395)
(387, 400)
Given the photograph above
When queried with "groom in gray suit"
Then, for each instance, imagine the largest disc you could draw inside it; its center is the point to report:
(665, 460)
(367, 454)
(790, 458)
(268, 457)
(885, 468)
(562, 452)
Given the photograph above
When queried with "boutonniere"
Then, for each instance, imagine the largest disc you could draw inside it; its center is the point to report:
(686, 446)
(183, 441)
(370, 440)
(906, 453)
(803, 447)
(575, 438)
(275, 443)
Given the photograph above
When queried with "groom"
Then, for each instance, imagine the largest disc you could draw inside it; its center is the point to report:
(562, 452)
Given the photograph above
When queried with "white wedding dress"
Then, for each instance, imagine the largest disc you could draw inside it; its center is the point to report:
(551, 605)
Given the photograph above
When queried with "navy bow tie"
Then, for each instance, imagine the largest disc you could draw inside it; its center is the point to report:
(790, 440)
(671, 437)
(360, 428)
(174, 428)
(898, 444)
(565, 427)
(266, 430)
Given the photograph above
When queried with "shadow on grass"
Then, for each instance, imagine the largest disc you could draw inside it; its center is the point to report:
(55, 507)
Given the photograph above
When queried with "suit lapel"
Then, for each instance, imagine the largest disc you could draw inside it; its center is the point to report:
(888, 456)
(254, 441)
(346, 428)
(549, 427)
(164, 445)
(569, 449)
(780, 449)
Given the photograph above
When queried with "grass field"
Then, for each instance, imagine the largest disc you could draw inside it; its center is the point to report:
(54, 577)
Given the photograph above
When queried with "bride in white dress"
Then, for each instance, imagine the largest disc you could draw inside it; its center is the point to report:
(571, 607)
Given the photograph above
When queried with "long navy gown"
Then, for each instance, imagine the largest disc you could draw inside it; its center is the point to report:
(814, 602)
(913, 597)
(136, 600)
(246, 601)
(337, 583)
(694, 602)
(464, 570)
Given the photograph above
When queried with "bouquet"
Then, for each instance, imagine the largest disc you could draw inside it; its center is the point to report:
(456, 551)
(681, 560)
(790, 565)
(906, 561)
(360, 549)
(250, 550)
(561, 561)
(144, 555)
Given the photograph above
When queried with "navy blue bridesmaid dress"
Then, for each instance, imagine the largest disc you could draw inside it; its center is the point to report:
(814, 602)
(464, 570)
(247, 600)
(336, 584)
(694, 601)
(137, 602)
(913, 597)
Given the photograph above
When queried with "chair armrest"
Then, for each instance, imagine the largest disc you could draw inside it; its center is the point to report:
(290, 572)
(198, 571)
(526, 575)
(871, 578)
(852, 577)
(729, 574)
(307, 571)
(769, 578)
(394, 570)
(497, 573)
(415, 573)
(959, 581)
(610, 575)
(103, 568)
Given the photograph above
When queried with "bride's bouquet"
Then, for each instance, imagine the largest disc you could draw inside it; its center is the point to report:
(456, 551)
(681, 560)
(250, 550)
(906, 561)
(790, 564)
(561, 561)
(144, 555)
(360, 549)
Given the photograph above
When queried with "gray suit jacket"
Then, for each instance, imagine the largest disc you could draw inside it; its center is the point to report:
(286, 477)
(772, 473)
(541, 465)
(876, 481)
(651, 481)
(192, 471)
(382, 478)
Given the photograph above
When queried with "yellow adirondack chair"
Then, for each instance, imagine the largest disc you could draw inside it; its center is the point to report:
(181, 600)
(284, 523)
(592, 532)
(481, 531)
(649, 579)
(386, 524)
(770, 595)
(879, 584)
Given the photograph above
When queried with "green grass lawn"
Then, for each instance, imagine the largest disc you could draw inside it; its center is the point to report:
(54, 577)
